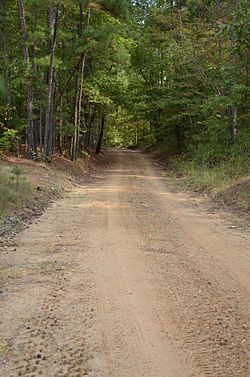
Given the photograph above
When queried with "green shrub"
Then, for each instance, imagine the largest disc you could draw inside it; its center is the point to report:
(9, 140)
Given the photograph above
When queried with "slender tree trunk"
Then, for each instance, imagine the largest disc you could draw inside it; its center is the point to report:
(49, 129)
(41, 132)
(79, 107)
(100, 137)
(88, 129)
(35, 111)
(178, 136)
(6, 69)
(79, 92)
(136, 135)
(71, 76)
(30, 128)
(5, 48)
(233, 113)
(233, 110)
(220, 52)
(74, 138)
(53, 118)
(61, 127)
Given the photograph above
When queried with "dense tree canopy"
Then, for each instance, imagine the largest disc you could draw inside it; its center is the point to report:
(169, 72)
(193, 59)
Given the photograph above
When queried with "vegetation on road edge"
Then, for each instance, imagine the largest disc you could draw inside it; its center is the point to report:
(27, 188)
(15, 190)
(227, 183)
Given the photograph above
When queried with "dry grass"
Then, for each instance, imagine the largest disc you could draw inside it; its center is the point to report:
(15, 190)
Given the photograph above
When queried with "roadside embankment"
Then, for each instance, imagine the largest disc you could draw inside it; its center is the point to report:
(28, 187)
(226, 185)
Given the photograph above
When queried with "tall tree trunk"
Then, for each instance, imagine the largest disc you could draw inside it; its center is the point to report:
(233, 110)
(49, 129)
(100, 137)
(89, 125)
(233, 114)
(80, 100)
(74, 138)
(61, 127)
(178, 136)
(6, 61)
(30, 129)
(41, 131)
(79, 92)
(220, 52)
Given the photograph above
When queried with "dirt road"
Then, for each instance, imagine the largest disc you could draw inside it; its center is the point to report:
(126, 278)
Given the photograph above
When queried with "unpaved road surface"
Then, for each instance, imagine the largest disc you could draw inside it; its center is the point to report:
(125, 278)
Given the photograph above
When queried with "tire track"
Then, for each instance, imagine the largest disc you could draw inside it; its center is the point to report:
(52, 342)
(207, 318)
(132, 343)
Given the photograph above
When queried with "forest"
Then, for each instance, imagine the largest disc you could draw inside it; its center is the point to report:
(78, 74)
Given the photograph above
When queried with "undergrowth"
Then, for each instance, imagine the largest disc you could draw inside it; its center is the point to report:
(15, 190)
(227, 182)
(213, 179)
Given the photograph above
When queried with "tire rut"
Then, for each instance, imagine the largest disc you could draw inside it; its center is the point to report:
(52, 342)
(208, 315)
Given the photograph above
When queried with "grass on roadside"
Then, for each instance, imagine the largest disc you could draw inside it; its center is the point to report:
(4, 348)
(1, 277)
(228, 182)
(15, 190)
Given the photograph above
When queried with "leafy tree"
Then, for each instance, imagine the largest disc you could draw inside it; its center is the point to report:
(162, 71)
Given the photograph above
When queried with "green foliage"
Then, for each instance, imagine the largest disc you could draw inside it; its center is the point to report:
(213, 179)
(17, 171)
(14, 190)
(175, 73)
(2, 87)
(8, 140)
(122, 130)
(193, 63)
(85, 155)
